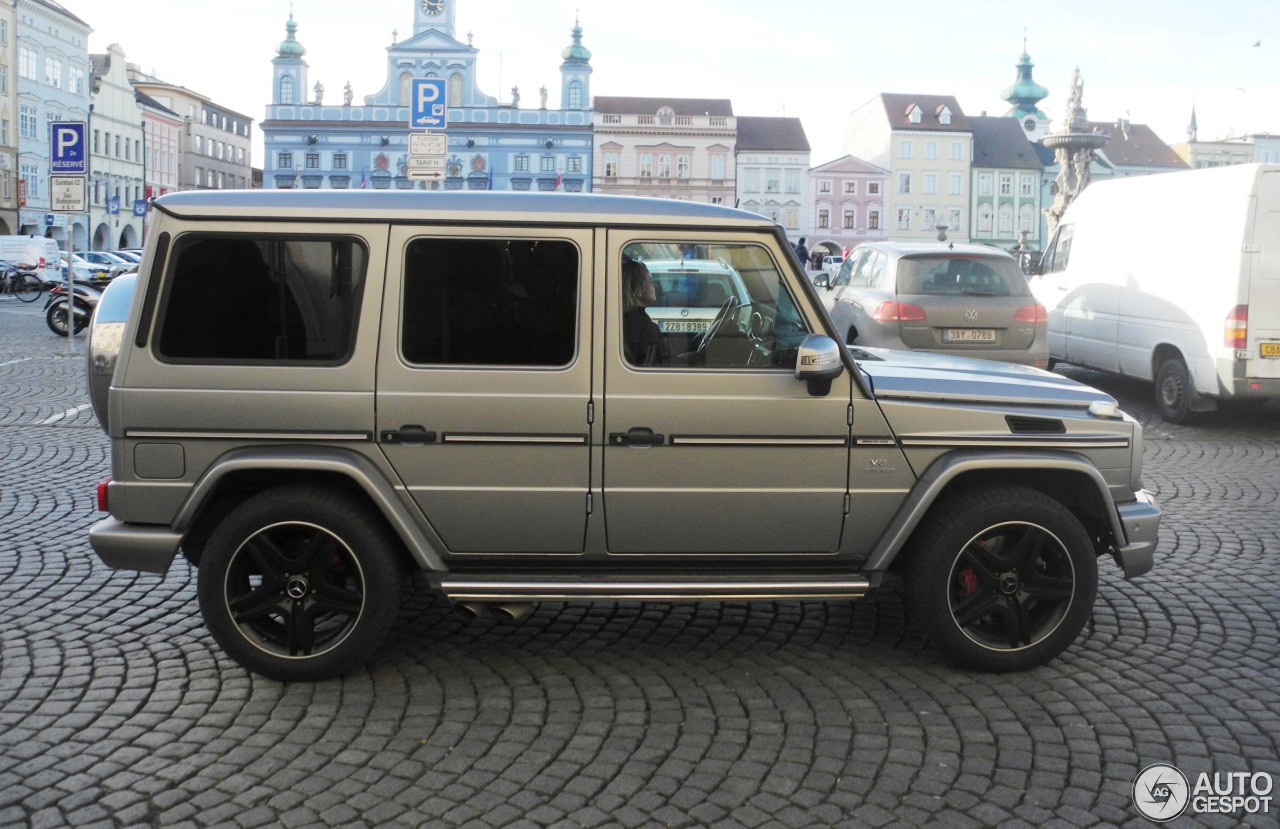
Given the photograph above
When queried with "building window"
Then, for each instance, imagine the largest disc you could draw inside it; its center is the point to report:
(573, 164)
(664, 166)
(522, 164)
(771, 184)
(682, 165)
(873, 188)
(717, 167)
(957, 151)
(904, 218)
(944, 116)
(339, 161)
(931, 150)
(873, 220)
(26, 63)
(53, 72)
(984, 184)
(646, 166)
(751, 181)
(286, 89)
(824, 218)
(27, 122)
(1006, 185)
(851, 188)
(1006, 220)
(611, 165)
(955, 184)
(575, 95)
(904, 149)
(824, 186)
(285, 161)
(1026, 217)
(1026, 184)
(547, 164)
(904, 182)
(929, 218)
(313, 161)
(793, 181)
(953, 217)
(930, 183)
(791, 218)
(849, 221)
(455, 89)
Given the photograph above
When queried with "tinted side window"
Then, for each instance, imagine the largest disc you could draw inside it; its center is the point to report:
(270, 299)
(490, 302)
(1061, 249)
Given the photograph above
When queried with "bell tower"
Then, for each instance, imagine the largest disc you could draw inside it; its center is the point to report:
(433, 15)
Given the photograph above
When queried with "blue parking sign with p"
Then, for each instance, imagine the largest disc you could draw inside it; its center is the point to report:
(68, 153)
(428, 108)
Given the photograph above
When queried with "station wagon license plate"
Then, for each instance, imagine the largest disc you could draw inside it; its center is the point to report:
(968, 335)
(1270, 349)
(685, 326)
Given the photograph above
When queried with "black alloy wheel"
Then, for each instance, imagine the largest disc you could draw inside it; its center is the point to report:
(1003, 578)
(298, 583)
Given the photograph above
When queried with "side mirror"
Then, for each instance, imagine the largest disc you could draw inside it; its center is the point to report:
(819, 363)
(822, 280)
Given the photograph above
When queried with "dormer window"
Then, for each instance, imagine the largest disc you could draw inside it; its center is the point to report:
(944, 115)
(914, 114)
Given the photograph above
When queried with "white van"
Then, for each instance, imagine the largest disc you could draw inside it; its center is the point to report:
(36, 254)
(1173, 278)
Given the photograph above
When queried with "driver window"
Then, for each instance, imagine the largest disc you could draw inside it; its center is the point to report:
(706, 305)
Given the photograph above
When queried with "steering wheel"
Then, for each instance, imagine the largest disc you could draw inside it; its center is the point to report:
(722, 316)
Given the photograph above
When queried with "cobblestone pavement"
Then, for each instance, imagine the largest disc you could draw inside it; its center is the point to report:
(117, 709)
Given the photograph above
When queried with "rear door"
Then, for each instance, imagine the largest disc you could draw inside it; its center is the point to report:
(971, 303)
(484, 383)
(1264, 282)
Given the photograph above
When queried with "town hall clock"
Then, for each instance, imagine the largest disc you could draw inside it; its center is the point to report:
(433, 7)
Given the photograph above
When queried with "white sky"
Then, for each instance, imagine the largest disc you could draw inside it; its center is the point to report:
(812, 59)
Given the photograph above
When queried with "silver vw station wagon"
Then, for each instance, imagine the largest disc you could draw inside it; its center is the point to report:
(311, 394)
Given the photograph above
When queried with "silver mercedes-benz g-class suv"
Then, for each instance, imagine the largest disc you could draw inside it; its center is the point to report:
(309, 393)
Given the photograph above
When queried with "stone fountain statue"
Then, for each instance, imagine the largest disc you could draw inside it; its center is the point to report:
(1073, 150)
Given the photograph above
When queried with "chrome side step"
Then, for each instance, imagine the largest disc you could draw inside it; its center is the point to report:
(642, 589)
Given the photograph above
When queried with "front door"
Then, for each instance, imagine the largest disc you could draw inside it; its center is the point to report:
(484, 383)
(711, 444)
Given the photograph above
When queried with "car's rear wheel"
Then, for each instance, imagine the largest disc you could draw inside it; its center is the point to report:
(1174, 391)
(299, 583)
(1001, 578)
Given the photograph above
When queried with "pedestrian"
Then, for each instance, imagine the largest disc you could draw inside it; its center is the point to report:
(802, 251)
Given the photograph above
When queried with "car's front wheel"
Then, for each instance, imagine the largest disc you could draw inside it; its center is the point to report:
(1002, 578)
(298, 583)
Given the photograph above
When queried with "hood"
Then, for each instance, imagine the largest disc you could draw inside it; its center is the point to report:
(916, 375)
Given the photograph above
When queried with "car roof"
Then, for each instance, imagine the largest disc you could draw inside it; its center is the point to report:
(448, 207)
(936, 249)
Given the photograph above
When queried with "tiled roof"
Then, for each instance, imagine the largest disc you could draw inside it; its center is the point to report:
(618, 105)
(1136, 145)
(1001, 142)
(898, 107)
(758, 133)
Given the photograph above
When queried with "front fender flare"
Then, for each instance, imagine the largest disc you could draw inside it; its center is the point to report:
(943, 471)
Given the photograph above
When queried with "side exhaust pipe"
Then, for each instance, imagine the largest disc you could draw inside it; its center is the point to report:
(513, 611)
(473, 610)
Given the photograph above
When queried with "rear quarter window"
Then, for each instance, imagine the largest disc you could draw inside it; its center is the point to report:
(262, 299)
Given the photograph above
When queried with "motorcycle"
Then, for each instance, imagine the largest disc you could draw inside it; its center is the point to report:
(55, 309)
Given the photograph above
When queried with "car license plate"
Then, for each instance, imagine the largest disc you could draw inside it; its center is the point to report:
(968, 335)
(684, 326)
(1271, 349)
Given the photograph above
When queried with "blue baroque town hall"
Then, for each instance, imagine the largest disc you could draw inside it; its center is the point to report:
(520, 145)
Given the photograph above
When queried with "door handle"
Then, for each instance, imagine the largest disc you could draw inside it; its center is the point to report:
(411, 435)
(638, 436)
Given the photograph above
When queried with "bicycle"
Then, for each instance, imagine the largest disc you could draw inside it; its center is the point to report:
(27, 287)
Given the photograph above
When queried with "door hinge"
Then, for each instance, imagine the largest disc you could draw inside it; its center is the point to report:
(591, 411)
(849, 416)
(589, 502)
(848, 503)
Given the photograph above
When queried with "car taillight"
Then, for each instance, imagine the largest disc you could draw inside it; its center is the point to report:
(1034, 314)
(41, 263)
(102, 496)
(1235, 330)
(897, 312)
